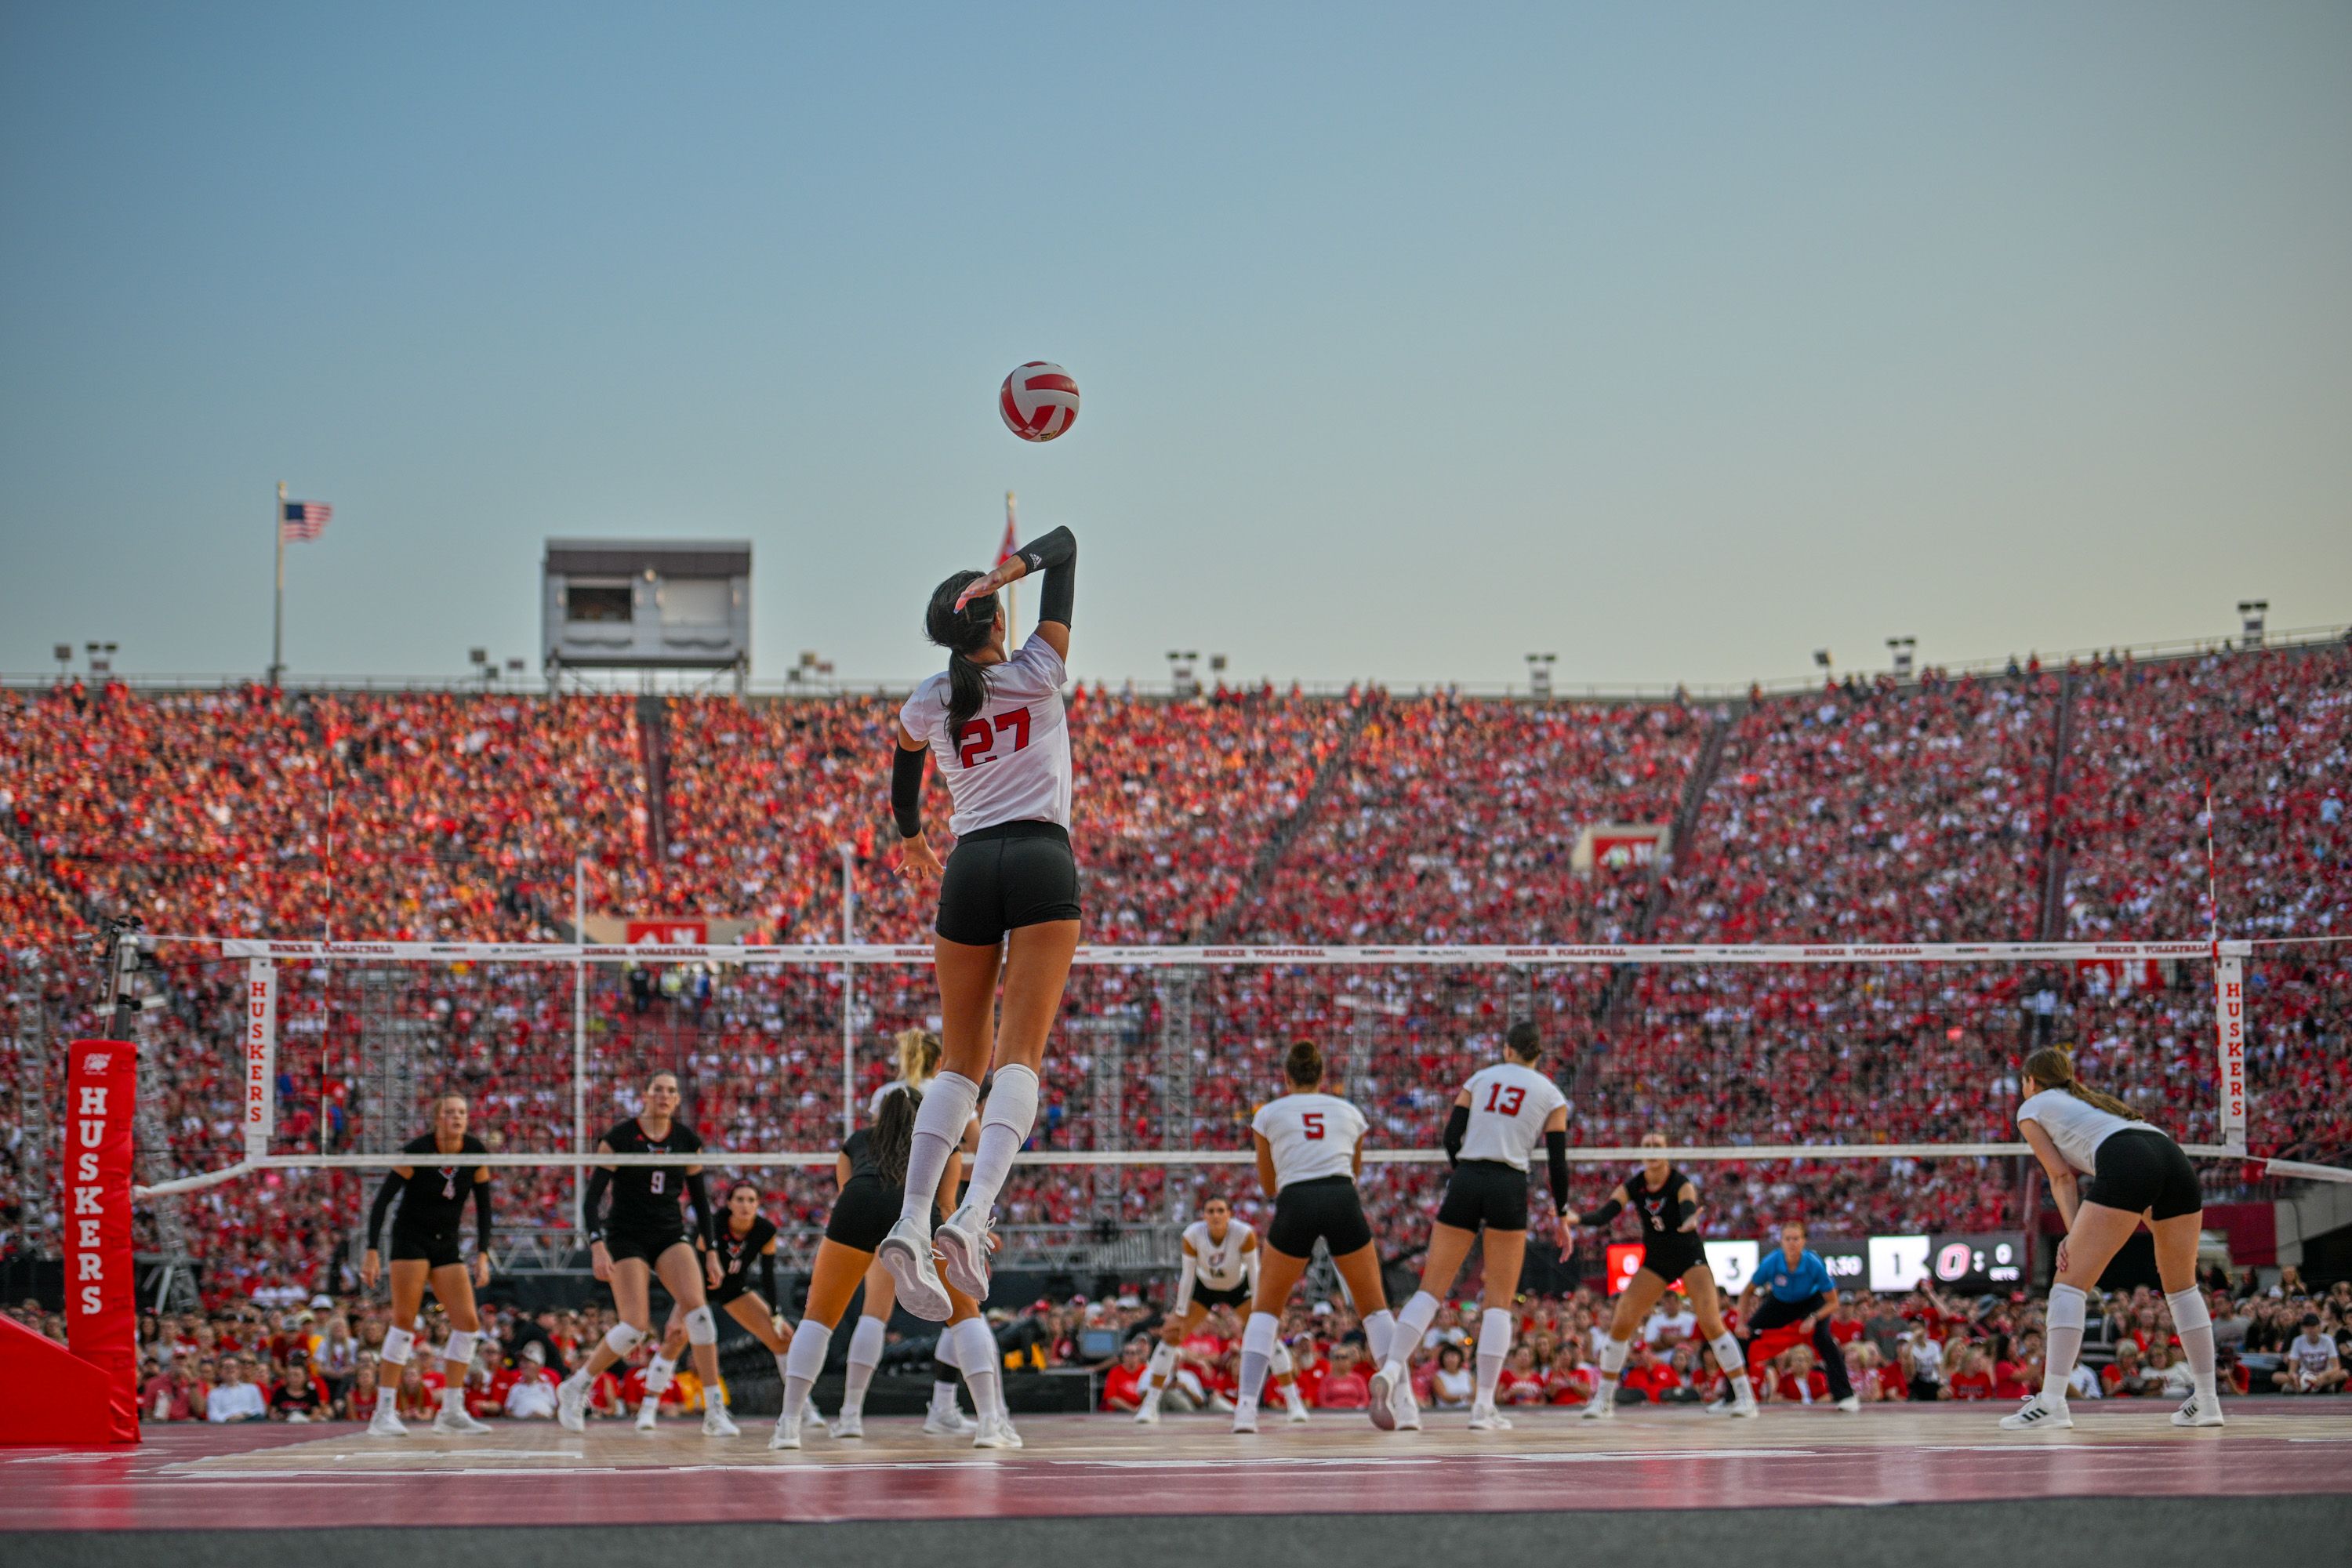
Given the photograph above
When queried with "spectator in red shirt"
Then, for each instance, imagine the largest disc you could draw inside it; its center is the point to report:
(1801, 1380)
(1646, 1379)
(1123, 1384)
(1345, 1386)
(1975, 1379)
(1522, 1382)
(164, 1397)
(1569, 1381)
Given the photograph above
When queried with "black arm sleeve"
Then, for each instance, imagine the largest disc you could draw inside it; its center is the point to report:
(381, 1206)
(592, 1208)
(1685, 1206)
(1604, 1213)
(482, 1218)
(1556, 1165)
(1457, 1128)
(1056, 555)
(697, 1198)
(768, 1281)
(907, 790)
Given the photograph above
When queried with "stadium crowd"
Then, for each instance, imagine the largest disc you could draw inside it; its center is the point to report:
(2043, 804)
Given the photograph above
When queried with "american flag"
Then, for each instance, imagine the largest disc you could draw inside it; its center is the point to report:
(305, 519)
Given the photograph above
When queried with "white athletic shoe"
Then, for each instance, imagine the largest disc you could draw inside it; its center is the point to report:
(456, 1423)
(1148, 1413)
(716, 1422)
(570, 1405)
(962, 1246)
(1406, 1408)
(1485, 1418)
(1382, 1408)
(1245, 1417)
(2198, 1411)
(951, 1422)
(788, 1432)
(811, 1421)
(648, 1414)
(1851, 1404)
(996, 1432)
(387, 1423)
(905, 1252)
(1297, 1408)
(1601, 1407)
(1743, 1400)
(2038, 1412)
(850, 1424)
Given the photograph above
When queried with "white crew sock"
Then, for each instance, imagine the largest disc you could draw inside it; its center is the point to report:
(2068, 1306)
(1161, 1367)
(658, 1374)
(939, 1122)
(452, 1397)
(1004, 1124)
(864, 1355)
(2194, 1323)
(1494, 1332)
(1613, 1352)
(1380, 1333)
(976, 1356)
(783, 1362)
(1412, 1327)
(802, 1362)
(1257, 1355)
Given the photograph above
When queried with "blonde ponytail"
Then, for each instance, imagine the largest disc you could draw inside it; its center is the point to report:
(2053, 1068)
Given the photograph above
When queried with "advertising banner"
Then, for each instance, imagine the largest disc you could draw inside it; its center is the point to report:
(260, 1115)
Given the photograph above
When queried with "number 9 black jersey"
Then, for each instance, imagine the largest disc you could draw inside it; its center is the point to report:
(645, 1199)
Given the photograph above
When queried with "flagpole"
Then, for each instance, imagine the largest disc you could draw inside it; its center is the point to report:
(278, 617)
(1011, 590)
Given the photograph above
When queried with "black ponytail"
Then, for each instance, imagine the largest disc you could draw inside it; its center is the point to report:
(963, 634)
(894, 1130)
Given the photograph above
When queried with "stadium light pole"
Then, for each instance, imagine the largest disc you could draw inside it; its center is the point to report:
(848, 993)
(579, 1046)
(277, 610)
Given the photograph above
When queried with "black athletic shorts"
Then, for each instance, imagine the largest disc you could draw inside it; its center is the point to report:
(865, 1212)
(1326, 1208)
(1488, 1193)
(1233, 1295)
(645, 1245)
(438, 1251)
(1002, 878)
(2142, 1169)
(730, 1287)
(1670, 1260)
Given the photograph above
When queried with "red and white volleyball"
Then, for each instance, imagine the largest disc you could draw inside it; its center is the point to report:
(1039, 401)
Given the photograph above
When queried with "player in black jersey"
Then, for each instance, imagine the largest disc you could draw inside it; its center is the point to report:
(646, 1237)
(872, 1171)
(424, 1249)
(1668, 1205)
(744, 1236)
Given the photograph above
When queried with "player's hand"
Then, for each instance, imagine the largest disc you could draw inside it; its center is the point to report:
(600, 1262)
(1568, 1220)
(481, 1271)
(710, 1269)
(371, 1266)
(915, 855)
(1011, 571)
(2062, 1254)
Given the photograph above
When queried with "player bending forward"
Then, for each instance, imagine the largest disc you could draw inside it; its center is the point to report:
(1220, 1264)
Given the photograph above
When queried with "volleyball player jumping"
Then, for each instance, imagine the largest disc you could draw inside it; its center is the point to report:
(1498, 1120)
(1668, 1205)
(1008, 898)
(2139, 1176)
(425, 1250)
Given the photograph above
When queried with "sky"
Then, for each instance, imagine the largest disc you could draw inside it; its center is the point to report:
(1678, 341)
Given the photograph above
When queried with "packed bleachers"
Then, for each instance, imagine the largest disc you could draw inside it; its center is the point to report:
(1943, 810)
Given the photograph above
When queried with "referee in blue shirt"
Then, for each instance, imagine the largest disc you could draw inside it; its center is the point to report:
(1802, 1293)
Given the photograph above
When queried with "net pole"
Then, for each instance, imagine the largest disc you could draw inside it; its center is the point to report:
(579, 1047)
(848, 997)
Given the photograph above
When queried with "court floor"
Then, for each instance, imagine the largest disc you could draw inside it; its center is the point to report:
(1080, 1467)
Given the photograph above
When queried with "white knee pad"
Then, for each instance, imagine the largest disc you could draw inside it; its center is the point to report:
(397, 1346)
(2068, 1307)
(866, 1343)
(623, 1338)
(1494, 1332)
(1612, 1356)
(701, 1328)
(1280, 1360)
(2189, 1309)
(1262, 1333)
(1728, 1356)
(460, 1348)
(805, 1358)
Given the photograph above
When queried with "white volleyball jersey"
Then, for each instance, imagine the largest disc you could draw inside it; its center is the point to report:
(1313, 1136)
(1220, 1265)
(1509, 1104)
(1011, 762)
(2076, 1126)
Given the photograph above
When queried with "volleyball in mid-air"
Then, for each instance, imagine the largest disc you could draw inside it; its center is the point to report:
(1039, 401)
